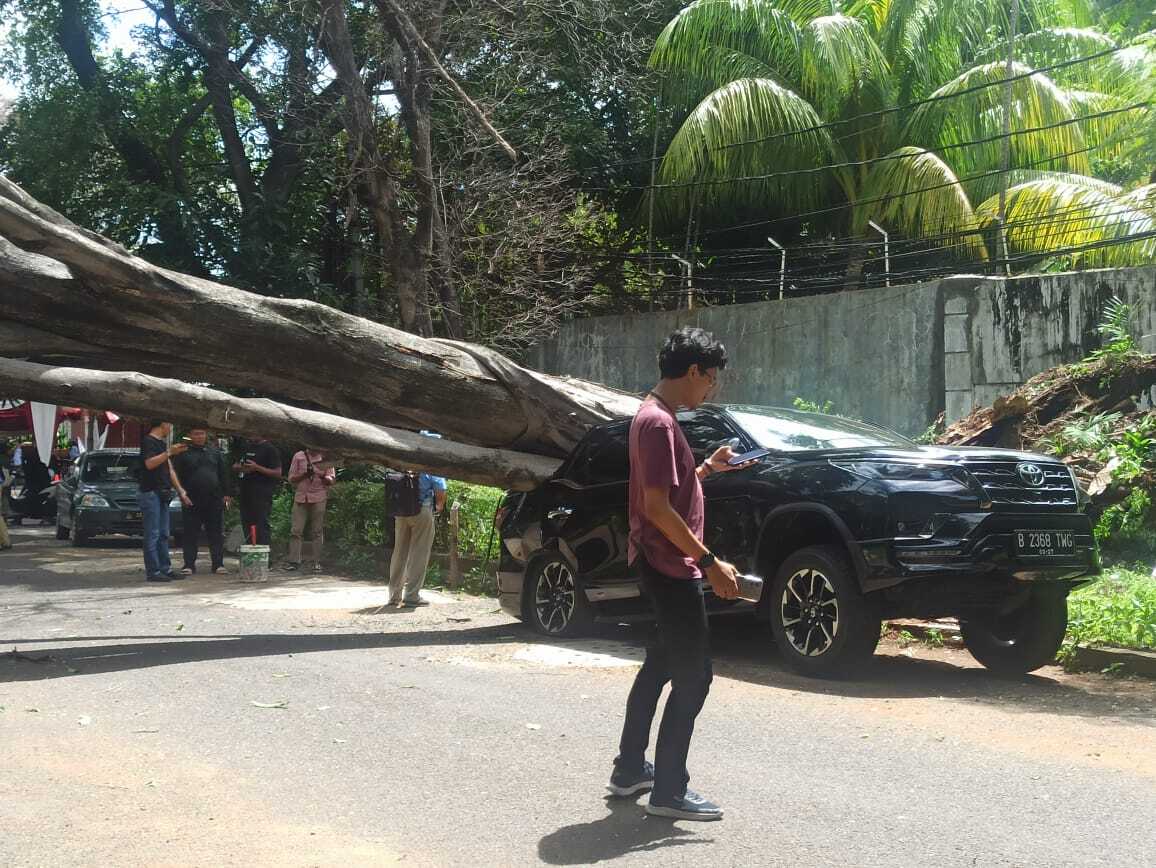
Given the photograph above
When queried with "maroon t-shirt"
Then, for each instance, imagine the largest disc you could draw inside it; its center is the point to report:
(660, 457)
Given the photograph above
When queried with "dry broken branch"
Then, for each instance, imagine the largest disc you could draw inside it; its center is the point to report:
(141, 395)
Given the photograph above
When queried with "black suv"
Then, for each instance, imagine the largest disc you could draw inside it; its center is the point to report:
(847, 523)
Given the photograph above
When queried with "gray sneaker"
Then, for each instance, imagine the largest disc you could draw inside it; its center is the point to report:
(624, 784)
(692, 806)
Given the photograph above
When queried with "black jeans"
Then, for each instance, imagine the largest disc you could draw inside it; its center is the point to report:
(256, 504)
(209, 514)
(680, 654)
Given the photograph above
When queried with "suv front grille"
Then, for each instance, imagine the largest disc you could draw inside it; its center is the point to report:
(1003, 484)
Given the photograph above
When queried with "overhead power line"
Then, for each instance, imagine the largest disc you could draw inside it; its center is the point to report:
(894, 109)
(853, 164)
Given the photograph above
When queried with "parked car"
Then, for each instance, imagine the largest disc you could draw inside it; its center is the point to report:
(99, 497)
(847, 523)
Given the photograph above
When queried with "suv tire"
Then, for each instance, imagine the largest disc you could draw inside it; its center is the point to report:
(554, 603)
(821, 621)
(1023, 640)
(78, 539)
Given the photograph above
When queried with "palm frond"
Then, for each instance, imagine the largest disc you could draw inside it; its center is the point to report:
(918, 194)
(706, 150)
(1050, 45)
(982, 189)
(715, 41)
(1107, 134)
(837, 54)
(1141, 199)
(1051, 216)
(971, 115)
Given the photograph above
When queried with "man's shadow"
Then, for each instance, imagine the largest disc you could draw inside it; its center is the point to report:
(626, 829)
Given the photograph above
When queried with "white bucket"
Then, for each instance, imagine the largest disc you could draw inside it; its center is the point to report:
(254, 563)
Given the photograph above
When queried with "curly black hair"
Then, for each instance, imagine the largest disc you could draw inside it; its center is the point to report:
(688, 346)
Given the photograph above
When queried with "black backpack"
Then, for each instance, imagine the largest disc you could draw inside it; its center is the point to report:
(402, 494)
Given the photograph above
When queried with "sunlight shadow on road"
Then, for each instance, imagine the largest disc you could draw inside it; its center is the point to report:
(626, 829)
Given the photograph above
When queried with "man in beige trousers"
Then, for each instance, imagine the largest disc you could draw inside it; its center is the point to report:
(312, 476)
(413, 541)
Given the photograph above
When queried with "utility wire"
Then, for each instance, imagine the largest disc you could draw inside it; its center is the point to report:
(854, 164)
(899, 108)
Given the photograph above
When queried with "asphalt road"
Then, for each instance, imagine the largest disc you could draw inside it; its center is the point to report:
(214, 723)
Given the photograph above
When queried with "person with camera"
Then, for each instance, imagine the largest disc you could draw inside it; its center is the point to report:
(311, 476)
(260, 469)
(666, 548)
(158, 479)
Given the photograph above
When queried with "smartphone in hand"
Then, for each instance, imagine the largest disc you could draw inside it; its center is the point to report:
(748, 456)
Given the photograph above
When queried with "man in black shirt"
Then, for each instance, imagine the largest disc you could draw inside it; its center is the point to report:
(260, 470)
(205, 474)
(157, 481)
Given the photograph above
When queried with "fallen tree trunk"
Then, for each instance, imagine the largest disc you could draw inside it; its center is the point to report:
(107, 304)
(140, 395)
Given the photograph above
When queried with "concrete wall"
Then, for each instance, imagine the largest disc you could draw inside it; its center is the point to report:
(897, 356)
(1000, 333)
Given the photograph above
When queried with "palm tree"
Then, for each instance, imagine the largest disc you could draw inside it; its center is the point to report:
(794, 106)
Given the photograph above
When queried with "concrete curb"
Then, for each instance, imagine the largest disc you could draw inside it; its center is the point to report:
(1128, 660)
(1086, 657)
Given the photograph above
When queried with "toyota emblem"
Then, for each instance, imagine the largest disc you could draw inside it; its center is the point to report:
(1031, 474)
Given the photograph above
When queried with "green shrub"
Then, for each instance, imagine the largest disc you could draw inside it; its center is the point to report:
(806, 406)
(357, 530)
(476, 507)
(1120, 609)
(1126, 530)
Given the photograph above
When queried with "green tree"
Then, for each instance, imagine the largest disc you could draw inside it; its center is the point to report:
(774, 92)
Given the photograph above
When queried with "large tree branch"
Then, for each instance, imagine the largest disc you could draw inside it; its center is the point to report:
(139, 395)
(401, 22)
(80, 286)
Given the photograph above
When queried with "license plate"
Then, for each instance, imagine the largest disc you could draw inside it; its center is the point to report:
(1044, 543)
(133, 516)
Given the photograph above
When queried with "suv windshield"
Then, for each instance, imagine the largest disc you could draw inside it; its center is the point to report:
(109, 468)
(795, 431)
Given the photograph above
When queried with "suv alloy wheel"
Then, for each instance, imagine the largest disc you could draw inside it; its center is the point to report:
(554, 603)
(820, 620)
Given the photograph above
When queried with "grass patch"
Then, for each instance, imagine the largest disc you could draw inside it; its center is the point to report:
(1118, 610)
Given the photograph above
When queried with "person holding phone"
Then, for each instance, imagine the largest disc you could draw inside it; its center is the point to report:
(666, 548)
(158, 479)
(206, 479)
(312, 477)
(260, 469)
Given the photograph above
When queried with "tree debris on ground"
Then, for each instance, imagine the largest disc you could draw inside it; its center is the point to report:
(1076, 412)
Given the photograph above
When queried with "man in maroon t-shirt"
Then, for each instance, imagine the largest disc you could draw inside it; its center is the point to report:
(666, 523)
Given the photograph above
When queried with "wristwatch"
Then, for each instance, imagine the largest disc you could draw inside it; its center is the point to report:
(706, 561)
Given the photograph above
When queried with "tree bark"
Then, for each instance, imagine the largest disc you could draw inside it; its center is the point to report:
(139, 395)
(88, 292)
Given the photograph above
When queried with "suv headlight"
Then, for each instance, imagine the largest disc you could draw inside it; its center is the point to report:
(175, 503)
(96, 501)
(904, 471)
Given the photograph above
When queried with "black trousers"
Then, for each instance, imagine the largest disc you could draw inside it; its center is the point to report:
(207, 513)
(680, 654)
(256, 504)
